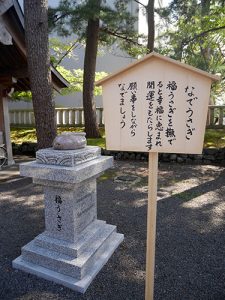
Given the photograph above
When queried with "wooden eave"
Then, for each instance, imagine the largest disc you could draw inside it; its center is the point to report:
(59, 82)
(13, 58)
(161, 57)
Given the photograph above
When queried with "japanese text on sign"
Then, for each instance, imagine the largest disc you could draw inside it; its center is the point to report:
(161, 111)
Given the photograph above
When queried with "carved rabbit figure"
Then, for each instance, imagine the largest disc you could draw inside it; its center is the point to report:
(70, 141)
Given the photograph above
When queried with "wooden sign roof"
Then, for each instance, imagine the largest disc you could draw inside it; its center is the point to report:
(149, 57)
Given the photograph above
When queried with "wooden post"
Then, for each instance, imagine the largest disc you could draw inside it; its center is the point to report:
(8, 143)
(151, 224)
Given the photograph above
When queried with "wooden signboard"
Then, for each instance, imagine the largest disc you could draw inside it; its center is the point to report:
(156, 105)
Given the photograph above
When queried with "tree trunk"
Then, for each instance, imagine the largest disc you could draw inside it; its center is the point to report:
(91, 126)
(36, 33)
(205, 51)
(151, 25)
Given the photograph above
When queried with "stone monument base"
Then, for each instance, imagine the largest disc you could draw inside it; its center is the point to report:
(78, 262)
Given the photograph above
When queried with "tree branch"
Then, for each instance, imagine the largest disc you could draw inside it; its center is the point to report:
(185, 42)
(73, 46)
(55, 18)
(119, 35)
(145, 6)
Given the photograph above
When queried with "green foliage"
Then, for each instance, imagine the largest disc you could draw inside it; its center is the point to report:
(195, 35)
(214, 138)
(25, 96)
(75, 78)
(135, 50)
(71, 17)
(21, 135)
(60, 49)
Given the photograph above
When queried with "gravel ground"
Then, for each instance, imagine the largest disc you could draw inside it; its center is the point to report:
(190, 249)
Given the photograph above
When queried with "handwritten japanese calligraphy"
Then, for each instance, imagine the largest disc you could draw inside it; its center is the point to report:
(122, 105)
(133, 98)
(159, 115)
(190, 100)
(150, 97)
(170, 131)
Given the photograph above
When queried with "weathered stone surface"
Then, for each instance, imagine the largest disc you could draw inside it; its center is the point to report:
(198, 157)
(119, 155)
(219, 156)
(184, 156)
(189, 160)
(180, 159)
(138, 156)
(126, 155)
(69, 158)
(173, 157)
(70, 141)
(206, 161)
(210, 151)
(209, 157)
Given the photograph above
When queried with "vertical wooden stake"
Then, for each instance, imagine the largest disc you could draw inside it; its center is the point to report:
(151, 224)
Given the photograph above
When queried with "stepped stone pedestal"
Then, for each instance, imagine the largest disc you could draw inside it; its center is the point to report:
(75, 244)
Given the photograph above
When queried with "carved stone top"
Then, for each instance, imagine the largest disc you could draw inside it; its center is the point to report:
(67, 158)
(70, 141)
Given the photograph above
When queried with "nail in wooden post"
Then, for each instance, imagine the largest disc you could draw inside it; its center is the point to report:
(151, 225)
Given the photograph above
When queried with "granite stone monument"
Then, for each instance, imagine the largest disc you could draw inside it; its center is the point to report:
(75, 244)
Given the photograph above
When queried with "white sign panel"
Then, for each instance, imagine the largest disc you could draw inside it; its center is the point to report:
(157, 107)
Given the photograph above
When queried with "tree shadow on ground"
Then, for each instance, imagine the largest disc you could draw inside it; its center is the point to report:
(189, 247)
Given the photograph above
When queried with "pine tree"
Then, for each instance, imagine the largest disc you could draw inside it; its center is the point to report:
(196, 36)
(94, 22)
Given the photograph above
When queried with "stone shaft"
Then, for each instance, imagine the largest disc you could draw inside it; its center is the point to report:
(69, 211)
